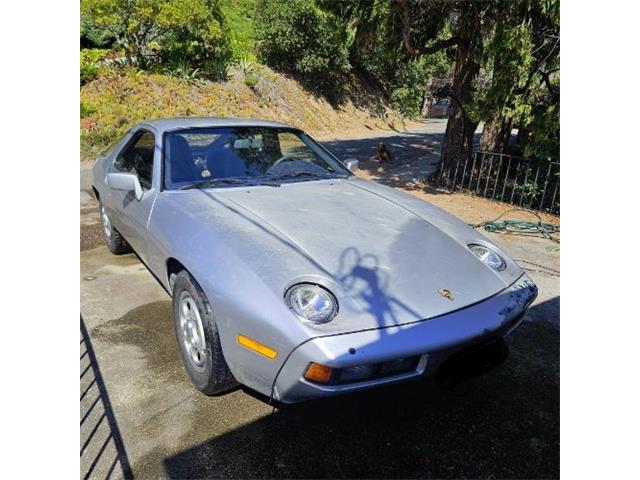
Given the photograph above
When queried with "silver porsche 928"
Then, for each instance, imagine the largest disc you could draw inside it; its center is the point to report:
(290, 275)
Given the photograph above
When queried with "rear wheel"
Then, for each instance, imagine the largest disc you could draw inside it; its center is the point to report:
(116, 242)
(198, 337)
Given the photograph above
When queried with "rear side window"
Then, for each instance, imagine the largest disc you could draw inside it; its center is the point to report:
(137, 157)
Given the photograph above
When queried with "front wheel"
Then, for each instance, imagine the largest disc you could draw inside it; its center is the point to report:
(112, 237)
(198, 338)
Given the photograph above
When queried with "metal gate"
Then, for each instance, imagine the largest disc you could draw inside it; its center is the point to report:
(525, 182)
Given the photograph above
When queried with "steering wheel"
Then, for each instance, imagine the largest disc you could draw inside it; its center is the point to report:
(281, 160)
(141, 167)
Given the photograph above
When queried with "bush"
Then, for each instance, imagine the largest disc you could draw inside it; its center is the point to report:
(251, 80)
(196, 35)
(170, 33)
(296, 37)
(407, 101)
(89, 63)
(239, 16)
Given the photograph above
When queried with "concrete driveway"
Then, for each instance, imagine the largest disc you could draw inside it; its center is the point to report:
(141, 417)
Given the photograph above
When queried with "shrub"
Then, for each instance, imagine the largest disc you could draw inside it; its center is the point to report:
(239, 16)
(167, 32)
(296, 37)
(196, 35)
(89, 63)
(251, 79)
(184, 71)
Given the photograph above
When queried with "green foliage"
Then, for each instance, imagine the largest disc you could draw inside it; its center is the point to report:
(86, 109)
(239, 15)
(89, 63)
(183, 70)
(509, 56)
(196, 34)
(167, 32)
(529, 190)
(388, 43)
(246, 70)
(251, 79)
(94, 36)
(246, 67)
(296, 37)
(543, 130)
(374, 38)
(409, 83)
(515, 43)
(523, 58)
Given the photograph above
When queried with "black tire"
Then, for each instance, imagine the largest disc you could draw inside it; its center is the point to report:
(212, 376)
(112, 237)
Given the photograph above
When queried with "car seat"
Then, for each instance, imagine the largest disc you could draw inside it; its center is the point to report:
(223, 162)
(180, 167)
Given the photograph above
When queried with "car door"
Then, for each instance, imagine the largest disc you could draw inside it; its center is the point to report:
(130, 215)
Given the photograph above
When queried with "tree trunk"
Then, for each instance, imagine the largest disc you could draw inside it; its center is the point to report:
(496, 134)
(426, 103)
(457, 144)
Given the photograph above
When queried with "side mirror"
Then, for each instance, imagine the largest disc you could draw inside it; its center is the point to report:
(351, 163)
(127, 182)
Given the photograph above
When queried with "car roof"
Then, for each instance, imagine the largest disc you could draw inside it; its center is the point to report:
(162, 125)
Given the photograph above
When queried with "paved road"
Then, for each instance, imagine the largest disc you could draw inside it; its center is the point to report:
(504, 425)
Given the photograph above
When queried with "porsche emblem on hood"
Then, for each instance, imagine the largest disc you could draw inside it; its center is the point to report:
(446, 293)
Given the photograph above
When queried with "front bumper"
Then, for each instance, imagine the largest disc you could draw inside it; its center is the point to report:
(433, 340)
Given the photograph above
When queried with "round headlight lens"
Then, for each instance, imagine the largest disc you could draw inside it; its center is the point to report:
(312, 303)
(488, 257)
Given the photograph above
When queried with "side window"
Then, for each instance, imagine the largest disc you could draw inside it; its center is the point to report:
(137, 157)
(292, 146)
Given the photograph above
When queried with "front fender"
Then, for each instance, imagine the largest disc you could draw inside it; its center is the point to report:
(233, 262)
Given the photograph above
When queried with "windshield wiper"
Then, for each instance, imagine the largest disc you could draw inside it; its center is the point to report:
(299, 175)
(228, 181)
(213, 181)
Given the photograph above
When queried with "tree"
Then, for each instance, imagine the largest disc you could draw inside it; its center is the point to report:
(508, 58)
(425, 28)
(457, 144)
(374, 40)
(296, 37)
(190, 31)
(523, 56)
(514, 46)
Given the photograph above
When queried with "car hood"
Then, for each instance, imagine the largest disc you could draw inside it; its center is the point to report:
(397, 266)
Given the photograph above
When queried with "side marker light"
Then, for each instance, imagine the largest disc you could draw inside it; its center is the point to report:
(257, 347)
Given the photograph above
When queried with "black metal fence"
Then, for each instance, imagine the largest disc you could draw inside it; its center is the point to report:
(102, 449)
(529, 183)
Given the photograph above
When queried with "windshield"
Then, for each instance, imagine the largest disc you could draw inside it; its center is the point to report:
(244, 155)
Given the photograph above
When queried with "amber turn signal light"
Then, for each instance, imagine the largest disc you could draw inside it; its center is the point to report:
(318, 373)
(257, 347)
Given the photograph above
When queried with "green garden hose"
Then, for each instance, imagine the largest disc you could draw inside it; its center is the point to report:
(521, 227)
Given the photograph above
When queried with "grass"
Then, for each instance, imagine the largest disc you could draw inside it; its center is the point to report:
(112, 103)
